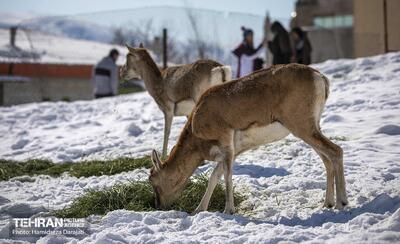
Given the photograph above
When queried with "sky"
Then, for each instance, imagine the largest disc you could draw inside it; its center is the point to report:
(277, 9)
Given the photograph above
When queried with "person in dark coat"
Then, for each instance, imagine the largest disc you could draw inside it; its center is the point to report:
(105, 76)
(248, 60)
(302, 46)
(280, 45)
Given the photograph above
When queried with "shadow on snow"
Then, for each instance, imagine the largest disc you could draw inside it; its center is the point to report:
(381, 204)
(252, 170)
(256, 171)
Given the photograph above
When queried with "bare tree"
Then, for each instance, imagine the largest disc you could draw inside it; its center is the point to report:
(144, 32)
(200, 45)
(179, 52)
(119, 37)
(140, 33)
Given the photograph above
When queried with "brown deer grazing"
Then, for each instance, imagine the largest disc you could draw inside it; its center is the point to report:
(231, 118)
(175, 89)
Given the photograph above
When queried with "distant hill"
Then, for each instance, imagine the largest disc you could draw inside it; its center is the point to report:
(60, 26)
(12, 19)
(222, 28)
(38, 47)
(70, 27)
(218, 27)
(219, 31)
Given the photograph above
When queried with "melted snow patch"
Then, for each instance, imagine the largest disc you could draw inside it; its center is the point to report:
(134, 130)
(391, 130)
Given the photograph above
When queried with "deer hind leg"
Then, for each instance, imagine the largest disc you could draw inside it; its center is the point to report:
(330, 181)
(215, 176)
(334, 154)
(330, 153)
(167, 130)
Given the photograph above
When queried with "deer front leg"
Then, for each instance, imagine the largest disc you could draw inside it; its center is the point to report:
(167, 130)
(229, 204)
(215, 176)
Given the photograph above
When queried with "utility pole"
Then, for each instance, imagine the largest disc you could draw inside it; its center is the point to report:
(13, 33)
(267, 30)
(165, 48)
(385, 26)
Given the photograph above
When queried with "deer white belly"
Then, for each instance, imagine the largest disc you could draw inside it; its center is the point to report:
(259, 135)
(184, 107)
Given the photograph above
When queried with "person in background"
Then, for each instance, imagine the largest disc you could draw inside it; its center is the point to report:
(280, 45)
(302, 46)
(248, 60)
(105, 76)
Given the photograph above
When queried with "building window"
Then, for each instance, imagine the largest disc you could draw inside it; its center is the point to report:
(337, 21)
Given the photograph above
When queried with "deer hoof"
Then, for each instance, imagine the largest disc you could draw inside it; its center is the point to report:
(196, 211)
(229, 211)
(340, 205)
(328, 205)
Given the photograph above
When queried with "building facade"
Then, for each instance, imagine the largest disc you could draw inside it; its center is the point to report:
(376, 27)
(349, 28)
(36, 82)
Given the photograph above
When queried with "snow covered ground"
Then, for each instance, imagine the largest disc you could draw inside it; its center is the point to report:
(284, 181)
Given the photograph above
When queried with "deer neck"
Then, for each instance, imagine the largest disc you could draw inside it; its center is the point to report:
(181, 164)
(182, 170)
(151, 76)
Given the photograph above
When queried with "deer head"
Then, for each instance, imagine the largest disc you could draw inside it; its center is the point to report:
(163, 183)
(169, 178)
(130, 69)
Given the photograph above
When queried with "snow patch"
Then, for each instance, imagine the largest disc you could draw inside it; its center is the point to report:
(284, 181)
(21, 210)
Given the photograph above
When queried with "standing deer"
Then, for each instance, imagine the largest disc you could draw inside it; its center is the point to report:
(175, 89)
(234, 117)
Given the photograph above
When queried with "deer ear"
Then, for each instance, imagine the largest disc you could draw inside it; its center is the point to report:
(156, 160)
(141, 45)
(131, 49)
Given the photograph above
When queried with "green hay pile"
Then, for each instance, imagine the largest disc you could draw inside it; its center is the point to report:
(135, 196)
(139, 196)
(9, 168)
